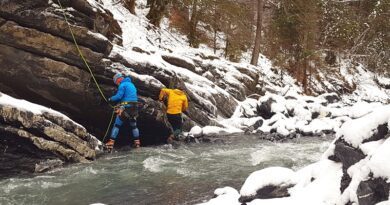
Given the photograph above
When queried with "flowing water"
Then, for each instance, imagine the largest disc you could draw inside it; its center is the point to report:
(160, 175)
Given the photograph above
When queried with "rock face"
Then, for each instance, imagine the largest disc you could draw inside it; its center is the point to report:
(34, 141)
(39, 62)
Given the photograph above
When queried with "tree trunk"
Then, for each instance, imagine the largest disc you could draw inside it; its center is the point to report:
(157, 10)
(215, 41)
(227, 47)
(192, 37)
(256, 49)
(130, 5)
(215, 27)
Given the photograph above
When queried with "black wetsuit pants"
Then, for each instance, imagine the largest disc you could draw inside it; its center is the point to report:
(177, 123)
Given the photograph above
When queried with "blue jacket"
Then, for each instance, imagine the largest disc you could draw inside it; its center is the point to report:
(126, 92)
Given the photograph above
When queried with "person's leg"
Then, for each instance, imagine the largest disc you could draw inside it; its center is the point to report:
(177, 128)
(176, 123)
(135, 132)
(171, 120)
(114, 132)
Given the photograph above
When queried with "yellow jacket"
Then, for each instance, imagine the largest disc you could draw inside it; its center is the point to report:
(177, 100)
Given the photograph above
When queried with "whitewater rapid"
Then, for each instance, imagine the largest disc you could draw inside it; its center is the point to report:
(161, 175)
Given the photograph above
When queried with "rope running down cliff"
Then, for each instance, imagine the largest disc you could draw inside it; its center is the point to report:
(89, 69)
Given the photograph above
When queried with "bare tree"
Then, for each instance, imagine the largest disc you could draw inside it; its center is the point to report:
(130, 5)
(192, 37)
(157, 11)
(256, 49)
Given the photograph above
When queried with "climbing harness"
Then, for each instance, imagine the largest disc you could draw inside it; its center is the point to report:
(89, 69)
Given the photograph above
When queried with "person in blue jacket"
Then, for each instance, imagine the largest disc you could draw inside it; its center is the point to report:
(126, 109)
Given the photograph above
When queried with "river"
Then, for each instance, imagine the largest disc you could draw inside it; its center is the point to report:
(161, 175)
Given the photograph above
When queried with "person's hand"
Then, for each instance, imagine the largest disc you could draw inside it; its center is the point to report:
(110, 102)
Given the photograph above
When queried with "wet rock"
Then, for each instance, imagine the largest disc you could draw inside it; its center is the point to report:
(345, 181)
(380, 133)
(276, 137)
(255, 126)
(207, 57)
(315, 115)
(309, 101)
(140, 50)
(264, 110)
(346, 154)
(268, 192)
(184, 63)
(331, 97)
(290, 98)
(48, 165)
(372, 191)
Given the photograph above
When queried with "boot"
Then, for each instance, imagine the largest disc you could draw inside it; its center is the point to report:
(110, 144)
(137, 143)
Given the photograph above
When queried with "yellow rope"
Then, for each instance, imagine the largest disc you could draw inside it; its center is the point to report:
(90, 70)
(109, 125)
(81, 54)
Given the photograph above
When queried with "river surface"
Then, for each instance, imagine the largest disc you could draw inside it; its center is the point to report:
(161, 175)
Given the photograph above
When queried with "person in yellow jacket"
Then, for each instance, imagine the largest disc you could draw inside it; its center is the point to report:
(176, 102)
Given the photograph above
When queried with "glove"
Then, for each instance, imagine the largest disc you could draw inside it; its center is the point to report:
(110, 102)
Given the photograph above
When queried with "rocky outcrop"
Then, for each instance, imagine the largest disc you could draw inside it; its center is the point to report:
(38, 140)
(39, 62)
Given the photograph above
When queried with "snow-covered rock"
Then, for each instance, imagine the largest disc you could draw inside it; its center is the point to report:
(271, 182)
(37, 138)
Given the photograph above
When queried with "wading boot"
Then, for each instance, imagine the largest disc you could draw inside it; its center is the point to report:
(110, 144)
(137, 143)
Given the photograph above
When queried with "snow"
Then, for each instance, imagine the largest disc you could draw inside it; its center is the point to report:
(196, 131)
(226, 195)
(379, 162)
(295, 112)
(28, 106)
(213, 130)
(384, 203)
(369, 148)
(270, 176)
(356, 131)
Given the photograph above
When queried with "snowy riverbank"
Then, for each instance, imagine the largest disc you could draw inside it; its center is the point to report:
(353, 170)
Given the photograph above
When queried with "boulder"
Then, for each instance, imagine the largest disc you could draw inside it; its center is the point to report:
(380, 133)
(265, 110)
(268, 192)
(373, 191)
(346, 154)
(179, 62)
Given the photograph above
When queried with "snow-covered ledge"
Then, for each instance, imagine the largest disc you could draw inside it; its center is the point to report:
(34, 138)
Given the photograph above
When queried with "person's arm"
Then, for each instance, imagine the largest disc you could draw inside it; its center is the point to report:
(163, 93)
(119, 94)
(185, 104)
